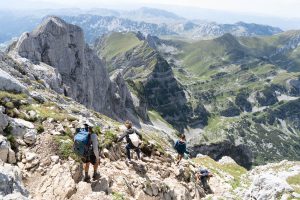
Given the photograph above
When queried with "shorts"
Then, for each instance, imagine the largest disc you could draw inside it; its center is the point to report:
(181, 153)
(90, 159)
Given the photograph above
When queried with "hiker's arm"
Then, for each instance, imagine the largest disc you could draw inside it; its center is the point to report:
(138, 133)
(95, 145)
(121, 137)
(175, 145)
(185, 150)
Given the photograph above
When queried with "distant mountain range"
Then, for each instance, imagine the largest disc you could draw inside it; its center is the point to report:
(157, 22)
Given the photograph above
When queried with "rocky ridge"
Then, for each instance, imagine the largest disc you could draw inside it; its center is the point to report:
(37, 126)
(74, 67)
(151, 78)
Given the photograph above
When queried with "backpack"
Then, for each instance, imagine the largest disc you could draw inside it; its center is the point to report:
(134, 138)
(82, 143)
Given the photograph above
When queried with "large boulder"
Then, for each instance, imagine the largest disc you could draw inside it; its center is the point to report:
(6, 153)
(267, 186)
(11, 185)
(23, 130)
(30, 136)
(58, 184)
(9, 83)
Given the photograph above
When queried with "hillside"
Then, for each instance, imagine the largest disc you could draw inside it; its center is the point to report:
(244, 102)
(246, 108)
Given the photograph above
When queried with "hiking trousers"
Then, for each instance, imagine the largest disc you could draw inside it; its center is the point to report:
(204, 182)
(137, 150)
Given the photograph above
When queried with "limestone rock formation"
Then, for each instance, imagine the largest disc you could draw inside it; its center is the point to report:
(23, 130)
(3, 121)
(267, 186)
(6, 153)
(9, 83)
(11, 186)
(58, 184)
(82, 74)
(122, 98)
(150, 78)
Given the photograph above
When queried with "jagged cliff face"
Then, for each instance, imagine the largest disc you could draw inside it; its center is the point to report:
(150, 76)
(84, 76)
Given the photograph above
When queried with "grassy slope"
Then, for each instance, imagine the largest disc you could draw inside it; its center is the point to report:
(199, 56)
(119, 43)
(222, 170)
(203, 60)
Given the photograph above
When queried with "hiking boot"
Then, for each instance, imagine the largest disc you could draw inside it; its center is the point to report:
(96, 175)
(87, 178)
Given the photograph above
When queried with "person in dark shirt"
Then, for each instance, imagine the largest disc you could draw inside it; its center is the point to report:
(203, 176)
(180, 147)
(130, 130)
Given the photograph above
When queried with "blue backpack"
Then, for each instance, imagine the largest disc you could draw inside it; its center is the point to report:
(82, 143)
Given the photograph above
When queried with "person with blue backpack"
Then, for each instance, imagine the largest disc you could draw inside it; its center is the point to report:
(180, 147)
(86, 147)
(133, 139)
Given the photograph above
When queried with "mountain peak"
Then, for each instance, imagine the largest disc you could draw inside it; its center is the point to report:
(55, 26)
(226, 38)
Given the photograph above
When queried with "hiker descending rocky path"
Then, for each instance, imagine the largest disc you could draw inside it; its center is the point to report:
(38, 122)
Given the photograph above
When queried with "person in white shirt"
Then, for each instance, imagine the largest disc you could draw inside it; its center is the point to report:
(93, 155)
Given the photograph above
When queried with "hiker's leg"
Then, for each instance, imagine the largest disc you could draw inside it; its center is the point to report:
(95, 163)
(86, 172)
(128, 151)
(86, 167)
(138, 153)
(204, 183)
(96, 167)
(179, 158)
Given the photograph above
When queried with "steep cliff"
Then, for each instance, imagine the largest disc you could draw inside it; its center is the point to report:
(83, 74)
(150, 76)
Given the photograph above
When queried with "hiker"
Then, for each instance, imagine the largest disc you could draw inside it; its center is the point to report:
(86, 146)
(133, 138)
(204, 175)
(180, 147)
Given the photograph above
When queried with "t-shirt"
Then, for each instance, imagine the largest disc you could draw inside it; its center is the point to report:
(204, 173)
(94, 141)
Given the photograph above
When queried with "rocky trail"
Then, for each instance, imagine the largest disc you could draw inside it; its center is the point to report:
(38, 120)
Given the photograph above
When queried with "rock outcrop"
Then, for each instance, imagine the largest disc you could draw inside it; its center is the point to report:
(58, 184)
(11, 186)
(83, 74)
(267, 186)
(3, 120)
(6, 153)
(23, 130)
(9, 83)
(151, 78)
(271, 181)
